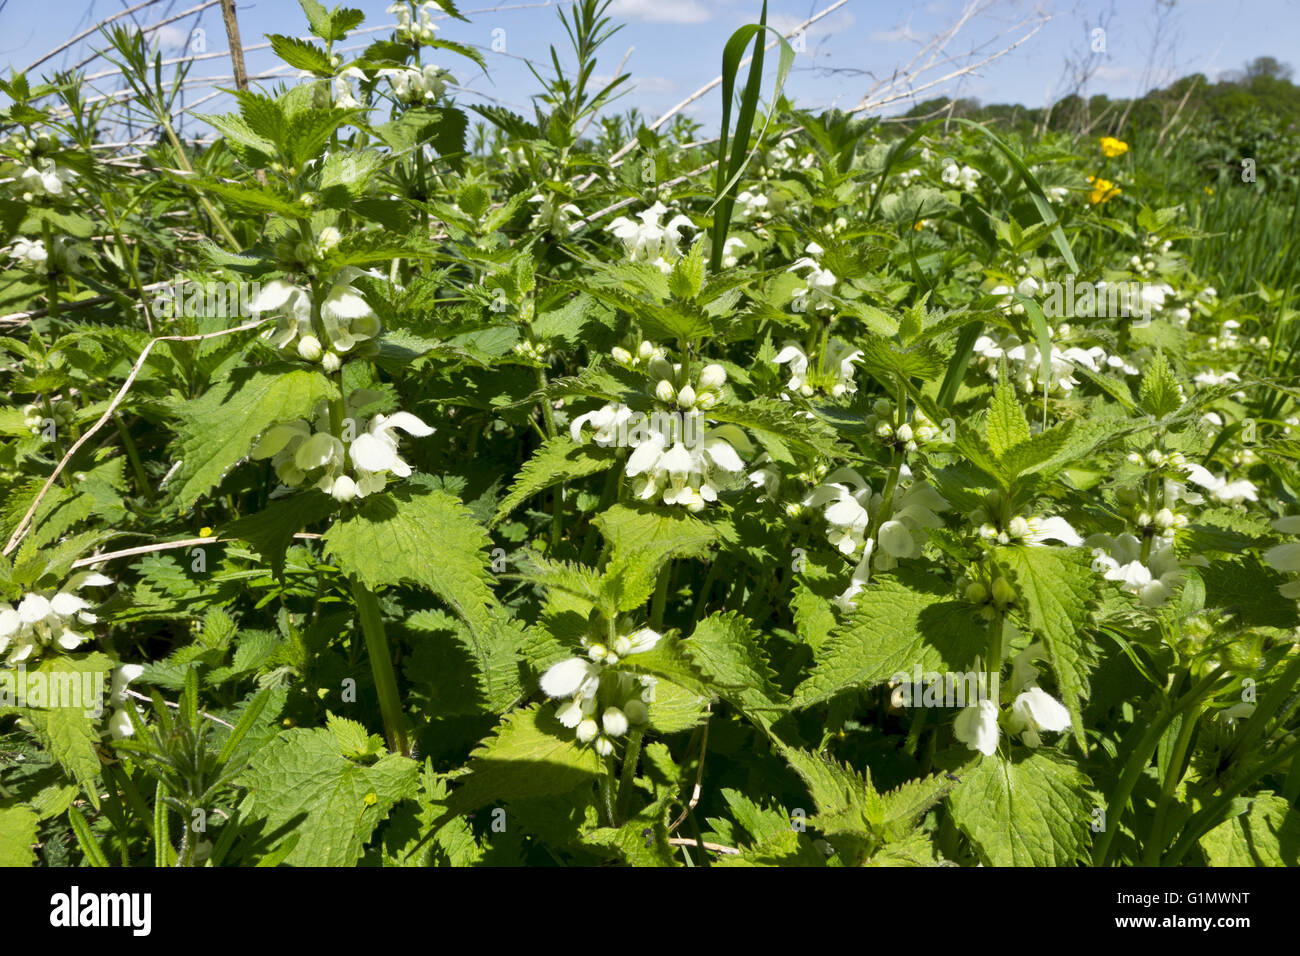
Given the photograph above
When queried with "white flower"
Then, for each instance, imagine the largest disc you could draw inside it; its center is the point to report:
(732, 250)
(45, 178)
(342, 88)
(1119, 559)
(415, 84)
(835, 377)
(750, 205)
(346, 317)
(30, 252)
(1221, 489)
(374, 452)
(421, 27)
(963, 176)
(553, 216)
(688, 475)
(607, 423)
(1035, 531)
(1035, 711)
(820, 283)
(847, 500)
(46, 621)
(977, 727)
(649, 241)
(576, 675)
(119, 722)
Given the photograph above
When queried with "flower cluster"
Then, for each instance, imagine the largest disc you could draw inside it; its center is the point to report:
(346, 317)
(44, 621)
(816, 295)
(964, 177)
(302, 453)
(415, 21)
(648, 240)
(832, 376)
(601, 702)
(1033, 711)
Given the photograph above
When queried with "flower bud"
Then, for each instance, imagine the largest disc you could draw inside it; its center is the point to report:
(884, 430)
(1018, 528)
(614, 721)
(330, 361)
(664, 391)
(686, 397)
(603, 746)
(587, 729)
(636, 711)
(713, 377)
(1155, 457)
(1003, 592)
(1164, 519)
(309, 348)
(645, 350)
(597, 652)
(345, 489)
(904, 432)
(976, 593)
(620, 355)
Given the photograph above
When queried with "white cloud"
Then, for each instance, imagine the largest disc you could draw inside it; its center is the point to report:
(642, 84)
(839, 23)
(660, 11)
(903, 34)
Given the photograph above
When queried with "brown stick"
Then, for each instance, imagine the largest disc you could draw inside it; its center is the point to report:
(236, 48)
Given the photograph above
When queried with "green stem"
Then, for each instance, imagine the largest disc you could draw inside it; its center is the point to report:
(606, 784)
(133, 455)
(626, 784)
(381, 666)
(1173, 774)
(661, 596)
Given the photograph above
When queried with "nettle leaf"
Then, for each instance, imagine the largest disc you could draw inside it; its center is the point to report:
(641, 541)
(18, 826)
(68, 731)
(301, 55)
(901, 622)
(529, 755)
(331, 25)
(302, 780)
(1266, 834)
(271, 530)
(218, 429)
(422, 536)
(346, 174)
(1030, 810)
(1056, 586)
(779, 429)
(1006, 425)
(558, 460)
(1160, 394)
(905, 804)
(724, 648)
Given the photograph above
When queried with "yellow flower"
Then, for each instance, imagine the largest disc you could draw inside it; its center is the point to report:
(1113, 147)
(1209, 190)
(205, 532)
(1103, 190)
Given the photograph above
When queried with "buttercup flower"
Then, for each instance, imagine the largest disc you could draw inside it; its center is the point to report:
(1103, 191)
(1113, 147)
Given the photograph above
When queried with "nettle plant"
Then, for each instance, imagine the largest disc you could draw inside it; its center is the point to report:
(527, 499)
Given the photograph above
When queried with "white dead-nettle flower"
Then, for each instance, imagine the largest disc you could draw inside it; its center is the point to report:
(1220, 489)
(1035, 711)
(750, 205)
(833, 376)
(1037, 531)
(584, 683)
(816, 295)
(46, 621)
(607, 423)
(847, 501)
(977, 727)
(732, 250)
(901, 536)
(964, 177)
(416, 84)
(1119, 559)
(30, 252)
(554, 216)
(415, 21)
(346, 317)
(1286, 557)
(119, 722)
(690, 475)
(648, 241)
(299, 452)
(45, 178)
(1024, 362)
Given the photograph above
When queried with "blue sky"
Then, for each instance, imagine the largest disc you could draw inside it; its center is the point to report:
(675, 45)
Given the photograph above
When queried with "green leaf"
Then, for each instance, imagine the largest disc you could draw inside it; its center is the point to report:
(301, 55)
(1031, 810)
(1055, 587)
(271, 531)
(724, 648)
(302, 780)
(1160, 394)
(17, 834)
(529, 755)
(901, 622)
(641, 540)
(422, 536)
(1267, 834)
(1006, 425)
(69, 733)
(558, 460)
(217, 429)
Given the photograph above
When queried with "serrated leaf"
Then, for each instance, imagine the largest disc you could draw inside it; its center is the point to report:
(558, 460)
(1267, 834)
(271, 530)
(217, 429)
(1160, 393)
(1006, 425)
(641, 540)
(1055, 586)
(724, 648)
(301, 780)
(301, 55)
(901, 622)
(1031, 810)
(18, 827)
